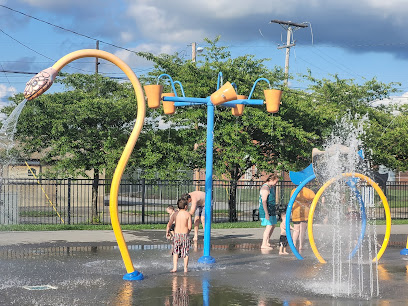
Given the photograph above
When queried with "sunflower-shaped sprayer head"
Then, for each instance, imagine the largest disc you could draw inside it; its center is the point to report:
(39, 83)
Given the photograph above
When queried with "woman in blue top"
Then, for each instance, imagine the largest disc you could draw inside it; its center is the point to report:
(267, 201)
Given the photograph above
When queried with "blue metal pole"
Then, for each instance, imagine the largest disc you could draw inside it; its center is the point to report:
(206, 258)
(219, 80)
(243, 102)
(186, 99)
(182, 104)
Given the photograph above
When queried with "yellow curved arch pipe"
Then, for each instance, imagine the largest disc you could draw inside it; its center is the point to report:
(317, 197)
(141, 111)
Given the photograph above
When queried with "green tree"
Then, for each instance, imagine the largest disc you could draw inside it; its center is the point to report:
(257, 138)
(386, 138)
(269, 142)
(81, 130)
(86, 127)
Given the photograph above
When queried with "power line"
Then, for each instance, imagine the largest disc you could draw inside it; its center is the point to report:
(68, 30)
(302, 59)
(8, 81)
(24, 45)
(34, 73)
(17, 72)
(335, 62)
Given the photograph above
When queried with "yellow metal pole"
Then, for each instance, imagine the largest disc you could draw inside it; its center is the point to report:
(383, 199)
(141, 111)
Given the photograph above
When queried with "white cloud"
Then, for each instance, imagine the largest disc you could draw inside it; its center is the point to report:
(5, 92)
(136, 61)
(165, 26)
(164, 22)
(403, 99)
(181, 21)
(389, 7)
(334, 22)
(126, 36)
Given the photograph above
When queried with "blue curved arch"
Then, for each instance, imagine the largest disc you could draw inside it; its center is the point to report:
(352, 184)
(289, 212)
(181, 87)
(170, 79)
(256, 82)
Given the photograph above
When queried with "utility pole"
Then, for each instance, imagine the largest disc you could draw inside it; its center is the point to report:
(290, 27)
(193, 52)
(96, 59)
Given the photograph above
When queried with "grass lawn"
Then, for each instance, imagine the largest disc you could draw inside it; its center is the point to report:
(62, 227)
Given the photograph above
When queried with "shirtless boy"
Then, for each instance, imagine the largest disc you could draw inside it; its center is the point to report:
(181, 242)
(197, 200)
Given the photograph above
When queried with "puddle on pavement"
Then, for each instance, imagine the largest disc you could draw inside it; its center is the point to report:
(242, 275)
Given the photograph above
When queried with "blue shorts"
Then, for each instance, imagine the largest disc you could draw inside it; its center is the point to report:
(199, 211)
(272, 221)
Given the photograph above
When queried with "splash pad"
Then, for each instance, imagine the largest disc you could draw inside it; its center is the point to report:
(237, 106)
(225, 95)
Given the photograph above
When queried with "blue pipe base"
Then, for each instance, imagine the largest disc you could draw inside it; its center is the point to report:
(404, 252)
(208, 260)
(136, 275)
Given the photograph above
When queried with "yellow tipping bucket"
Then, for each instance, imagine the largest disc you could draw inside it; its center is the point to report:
(168, 106)
(224, 94)
(238, 109)
(272, 99)
(153, 93)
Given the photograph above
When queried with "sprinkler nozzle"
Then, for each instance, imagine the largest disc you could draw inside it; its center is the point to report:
(39, 83)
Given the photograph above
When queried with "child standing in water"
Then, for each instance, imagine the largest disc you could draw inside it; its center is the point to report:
(181, 242)
(170, 231)
(283, 240)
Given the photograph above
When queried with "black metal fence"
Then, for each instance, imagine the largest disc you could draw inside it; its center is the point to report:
(69, 201)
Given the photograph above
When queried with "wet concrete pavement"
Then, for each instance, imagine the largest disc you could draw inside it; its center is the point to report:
(85, 268)
(106, 237)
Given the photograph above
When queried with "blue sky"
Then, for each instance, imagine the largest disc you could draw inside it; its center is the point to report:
(354, 39)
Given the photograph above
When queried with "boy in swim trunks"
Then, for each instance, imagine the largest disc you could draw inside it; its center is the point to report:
(181, 242)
